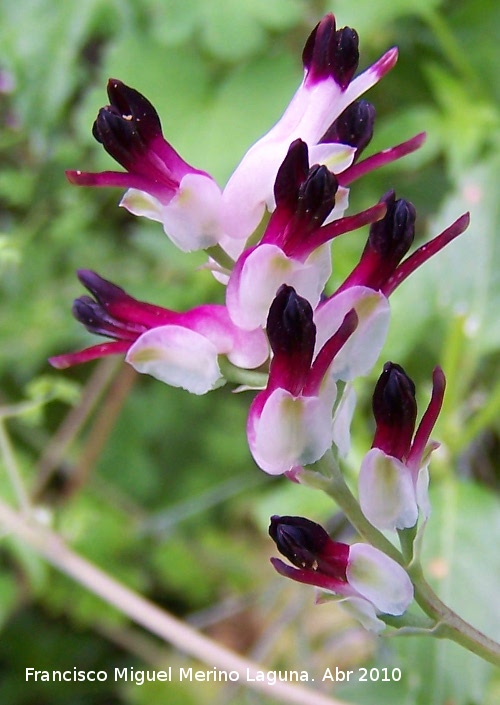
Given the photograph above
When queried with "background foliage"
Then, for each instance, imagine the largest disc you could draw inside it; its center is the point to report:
(158, 487)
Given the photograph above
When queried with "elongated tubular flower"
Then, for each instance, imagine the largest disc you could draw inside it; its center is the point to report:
(290, 422)
(294, 248)
(394, 478)
(330, 59)
(180, 349)
(369, 582)
(380, 266)
(162, 186)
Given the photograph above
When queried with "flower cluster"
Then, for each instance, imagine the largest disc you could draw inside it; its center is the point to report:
(268, 235)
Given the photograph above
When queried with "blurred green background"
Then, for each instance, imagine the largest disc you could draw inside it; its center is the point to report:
(158, 487)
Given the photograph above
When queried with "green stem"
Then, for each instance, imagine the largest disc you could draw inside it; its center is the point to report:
(338, 489)
(448, 624)
(221, 257)
(445, 623)
(237, 375)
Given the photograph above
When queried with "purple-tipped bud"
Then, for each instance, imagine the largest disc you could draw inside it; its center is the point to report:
(304, 197)
(353, 127)
(291, 175)
(395, 411)
(307, 545)
(104, 291)
(331, 52)
(392, 236)
(346, 56)
(290, 327)
(128, 125)
(101, 314)
(316, 196)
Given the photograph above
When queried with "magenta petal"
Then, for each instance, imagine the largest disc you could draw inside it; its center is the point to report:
(61, 362)
(311, 577)
(120, 179)
(428, 420)
(345, 225)
(375, 161)
(425, 252)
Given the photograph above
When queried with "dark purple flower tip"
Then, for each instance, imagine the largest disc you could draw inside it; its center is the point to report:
(290, 327)
(307, 545)
(331, 52)
(97, 320)
(104, 291)
(291, 174)
(98, 314)
(128, 125)
(392, 236)
(316, 196)
(395, 411)
(304, 195)
(353, 127)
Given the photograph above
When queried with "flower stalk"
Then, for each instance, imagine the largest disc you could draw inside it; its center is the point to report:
(446, 624)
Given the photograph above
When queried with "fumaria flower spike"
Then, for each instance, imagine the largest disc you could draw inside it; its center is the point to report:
(368, 582)
(180, 349)
(286, 329)
(394, 476)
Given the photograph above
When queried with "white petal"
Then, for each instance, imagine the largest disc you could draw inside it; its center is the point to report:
(177, 356)
(192, 219)
(364, 612)
(422, 492)
(142, 204)
(386, 492)
(291, 431)
(341, 205)
(335, 156)
(253, 286)
(361, 351)
(342, 421)
(379, 579)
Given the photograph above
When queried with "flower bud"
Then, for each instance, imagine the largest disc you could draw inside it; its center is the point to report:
(331, 52)
(127, 126)
(290, 326)
(307, 545)
(353, 127)
(304, 196)
(395, 411)
(392, 236)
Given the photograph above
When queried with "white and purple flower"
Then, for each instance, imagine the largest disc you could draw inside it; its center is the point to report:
(364, 580)
(394, 475)
(180, 349)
